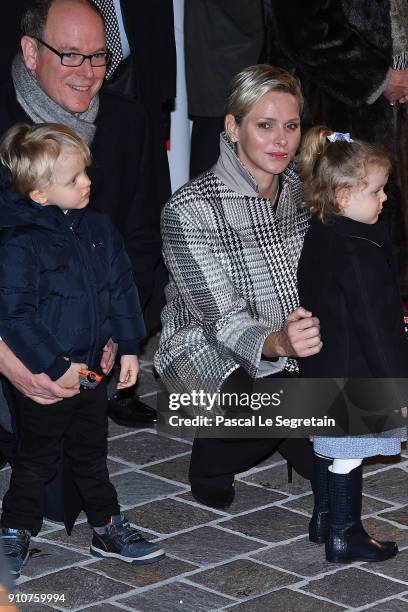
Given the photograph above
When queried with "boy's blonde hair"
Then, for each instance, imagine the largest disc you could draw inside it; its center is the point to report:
(30, 153)
(328, 166)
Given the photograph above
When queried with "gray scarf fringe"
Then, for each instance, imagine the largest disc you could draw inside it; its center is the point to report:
(41, 108)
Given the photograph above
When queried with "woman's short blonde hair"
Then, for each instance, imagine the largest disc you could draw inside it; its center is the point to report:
(30, 153)
(249, 85)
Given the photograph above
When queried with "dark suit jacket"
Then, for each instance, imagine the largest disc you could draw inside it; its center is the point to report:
(149, 26)
(10, 33)
(149, 74)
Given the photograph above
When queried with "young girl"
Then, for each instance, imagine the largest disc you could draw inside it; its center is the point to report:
(347, 279)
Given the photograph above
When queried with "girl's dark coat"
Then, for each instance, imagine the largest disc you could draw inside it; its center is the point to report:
(347, 278)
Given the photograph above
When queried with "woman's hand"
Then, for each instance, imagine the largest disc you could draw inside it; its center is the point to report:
(70, 379)
(299, 336)
(129, 369)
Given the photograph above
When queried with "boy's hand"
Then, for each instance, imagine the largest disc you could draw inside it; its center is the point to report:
(129, 369)
(71, 377)
(108, 356)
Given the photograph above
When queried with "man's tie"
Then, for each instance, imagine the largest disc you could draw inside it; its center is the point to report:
(107, 8)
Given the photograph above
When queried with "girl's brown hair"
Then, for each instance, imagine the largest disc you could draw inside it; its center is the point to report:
(326, 167)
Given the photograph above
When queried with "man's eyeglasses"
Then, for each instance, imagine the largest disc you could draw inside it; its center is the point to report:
(102, 58)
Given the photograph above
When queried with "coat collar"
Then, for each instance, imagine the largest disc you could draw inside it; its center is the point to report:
(376, 232)
(233, 173)
(17, 210)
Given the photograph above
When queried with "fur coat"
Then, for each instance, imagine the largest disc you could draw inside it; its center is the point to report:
(342, 52)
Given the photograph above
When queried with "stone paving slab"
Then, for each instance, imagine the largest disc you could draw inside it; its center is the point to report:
(373, 464)
(394, 481)
(398, 516)
(142, 575)
(37, 607)
(145, 447)
(247, 497)
(80, 537)
(276, 478)
(271, 524)
(174, 598)
(46, 557)
(395, 568)
(175, 469)
(79, 586)
(103, 608)
(243, 578)
(209, 545)
(382, 530)
(115, 466)
(301, 556)
(285, 600)
(146, 382)
(135, 488)
(169, 515)
(393, 605)
(354, 587)
(118, 430)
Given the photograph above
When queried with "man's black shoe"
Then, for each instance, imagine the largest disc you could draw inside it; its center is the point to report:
(127, 410)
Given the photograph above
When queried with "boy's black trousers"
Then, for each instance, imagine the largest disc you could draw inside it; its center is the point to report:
(80, 425)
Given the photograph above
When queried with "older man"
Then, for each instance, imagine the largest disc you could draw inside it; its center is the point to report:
(58, 77)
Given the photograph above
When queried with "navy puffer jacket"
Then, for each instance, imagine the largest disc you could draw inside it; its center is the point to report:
(66, 285)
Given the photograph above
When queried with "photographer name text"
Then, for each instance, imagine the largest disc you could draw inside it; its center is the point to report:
(253, 420)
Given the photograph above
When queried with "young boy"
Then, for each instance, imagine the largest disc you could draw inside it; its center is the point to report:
(66, 287)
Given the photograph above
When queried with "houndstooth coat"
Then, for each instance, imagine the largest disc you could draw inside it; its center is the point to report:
(232, 258)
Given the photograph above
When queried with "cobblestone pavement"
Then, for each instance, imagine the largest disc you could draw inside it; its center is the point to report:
(253, 557)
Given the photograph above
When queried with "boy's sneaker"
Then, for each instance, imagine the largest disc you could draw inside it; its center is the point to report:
(15, 543)
(121, 541)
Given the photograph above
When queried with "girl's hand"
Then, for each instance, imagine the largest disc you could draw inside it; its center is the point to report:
(129, 369)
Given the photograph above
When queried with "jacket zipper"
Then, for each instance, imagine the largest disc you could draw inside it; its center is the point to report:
(89, 284)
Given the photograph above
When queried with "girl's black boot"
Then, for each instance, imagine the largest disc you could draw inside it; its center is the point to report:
(319, 524)
(347, 540)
